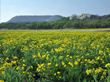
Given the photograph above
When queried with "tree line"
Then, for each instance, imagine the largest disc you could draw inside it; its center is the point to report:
(63, 23)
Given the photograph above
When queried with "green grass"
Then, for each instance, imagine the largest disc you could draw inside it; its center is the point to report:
(49, 30)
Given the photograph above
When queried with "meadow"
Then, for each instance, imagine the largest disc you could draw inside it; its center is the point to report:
(52, 30)
(54, 56)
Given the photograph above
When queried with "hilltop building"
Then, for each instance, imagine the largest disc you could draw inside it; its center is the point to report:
(81, 16)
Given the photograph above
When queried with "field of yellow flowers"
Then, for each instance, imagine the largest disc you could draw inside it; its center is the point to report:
(55, 56)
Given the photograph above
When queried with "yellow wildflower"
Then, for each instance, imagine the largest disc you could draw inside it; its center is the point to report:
(58, 72)
(78, 59)
(71, 57)
(104, 73)
(70, 64)
(3, 72)
(59, 76)
(24, 64)
(23, 60)
(23, 68)
(56, 65)
(17, 68)
(14, 57)
(102, 77)
(23, 71)
(34, 75)
(88, 71)
(62, 62)
(76, 63)
(33, 56)
(61, 57)
(31, 67)
(13, 62)
(67, 55)
(1, 80)
(65, 65)
(7, 58)
(49, 63)
(54, 73)
(108, 64)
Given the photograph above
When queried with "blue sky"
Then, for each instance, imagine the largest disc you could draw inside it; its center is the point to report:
(11, 8)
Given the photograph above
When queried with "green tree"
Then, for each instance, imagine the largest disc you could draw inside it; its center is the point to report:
(108, 19)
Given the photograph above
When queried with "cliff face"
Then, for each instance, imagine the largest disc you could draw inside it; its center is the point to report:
(44, 18)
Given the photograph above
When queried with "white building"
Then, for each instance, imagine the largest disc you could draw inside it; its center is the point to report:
(82, 16)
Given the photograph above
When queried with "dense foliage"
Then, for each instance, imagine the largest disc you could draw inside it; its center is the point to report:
(55, 56)
(92, 22)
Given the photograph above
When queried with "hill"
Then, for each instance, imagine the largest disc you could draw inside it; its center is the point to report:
(41, 18)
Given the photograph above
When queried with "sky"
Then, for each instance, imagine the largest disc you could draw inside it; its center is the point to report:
(11, 8)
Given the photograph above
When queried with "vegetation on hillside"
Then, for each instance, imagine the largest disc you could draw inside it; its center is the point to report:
(93, 22)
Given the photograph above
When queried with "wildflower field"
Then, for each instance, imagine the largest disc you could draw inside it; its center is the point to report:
(62, 56)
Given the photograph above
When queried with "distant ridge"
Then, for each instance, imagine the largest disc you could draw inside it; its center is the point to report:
(34, 18)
